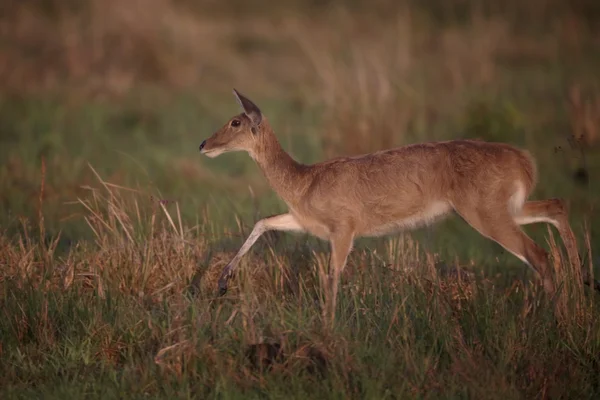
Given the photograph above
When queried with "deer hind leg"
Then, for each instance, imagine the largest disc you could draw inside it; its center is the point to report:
(501, 228)
(554, 211)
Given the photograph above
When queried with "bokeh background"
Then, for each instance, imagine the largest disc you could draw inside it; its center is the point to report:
(103, 104)
(132, 87)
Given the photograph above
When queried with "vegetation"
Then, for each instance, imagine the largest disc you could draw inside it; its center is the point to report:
(114, 228)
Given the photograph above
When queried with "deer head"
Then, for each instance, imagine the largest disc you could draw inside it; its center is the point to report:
(241, 133)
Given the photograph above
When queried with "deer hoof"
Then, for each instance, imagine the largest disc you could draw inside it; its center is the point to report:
(222, 287)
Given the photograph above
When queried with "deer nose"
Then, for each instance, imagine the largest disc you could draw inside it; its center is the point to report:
(202, 145)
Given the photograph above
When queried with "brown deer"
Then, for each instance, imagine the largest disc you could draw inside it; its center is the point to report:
(338, 200)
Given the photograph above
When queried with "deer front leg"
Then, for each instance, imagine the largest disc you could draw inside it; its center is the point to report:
(283, 222)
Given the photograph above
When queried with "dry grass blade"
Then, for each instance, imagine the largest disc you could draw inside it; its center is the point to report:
(162, 206)
(107, 187)
(121, 187)
(116, 211)
(162, 352)
(97, 217)
(179, 221)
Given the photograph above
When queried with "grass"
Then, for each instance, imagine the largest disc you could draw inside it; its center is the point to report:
(135, 312)
(114, 229)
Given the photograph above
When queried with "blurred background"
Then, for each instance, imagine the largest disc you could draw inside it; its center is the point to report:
(131, 88)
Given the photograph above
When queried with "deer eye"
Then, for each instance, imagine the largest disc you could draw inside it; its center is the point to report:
(235, 122)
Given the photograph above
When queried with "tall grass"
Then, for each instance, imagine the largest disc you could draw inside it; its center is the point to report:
(136, 311)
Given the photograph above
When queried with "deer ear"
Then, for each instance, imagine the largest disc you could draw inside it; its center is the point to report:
(250, 109)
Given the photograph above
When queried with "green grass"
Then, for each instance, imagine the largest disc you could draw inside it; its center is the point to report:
(106, 294)
(399, 332)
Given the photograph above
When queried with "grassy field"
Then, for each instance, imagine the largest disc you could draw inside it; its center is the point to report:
(114, 229)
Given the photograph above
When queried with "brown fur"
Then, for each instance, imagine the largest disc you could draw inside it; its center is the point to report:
(401, 188)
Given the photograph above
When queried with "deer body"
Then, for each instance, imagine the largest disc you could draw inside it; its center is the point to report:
(407, 187)
(375, 194)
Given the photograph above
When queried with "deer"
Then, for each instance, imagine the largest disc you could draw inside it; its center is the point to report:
(388, 191)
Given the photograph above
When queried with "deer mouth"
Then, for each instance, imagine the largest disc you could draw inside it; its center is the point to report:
(212, 153)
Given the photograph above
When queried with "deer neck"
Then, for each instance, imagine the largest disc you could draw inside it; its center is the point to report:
(284, 174)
